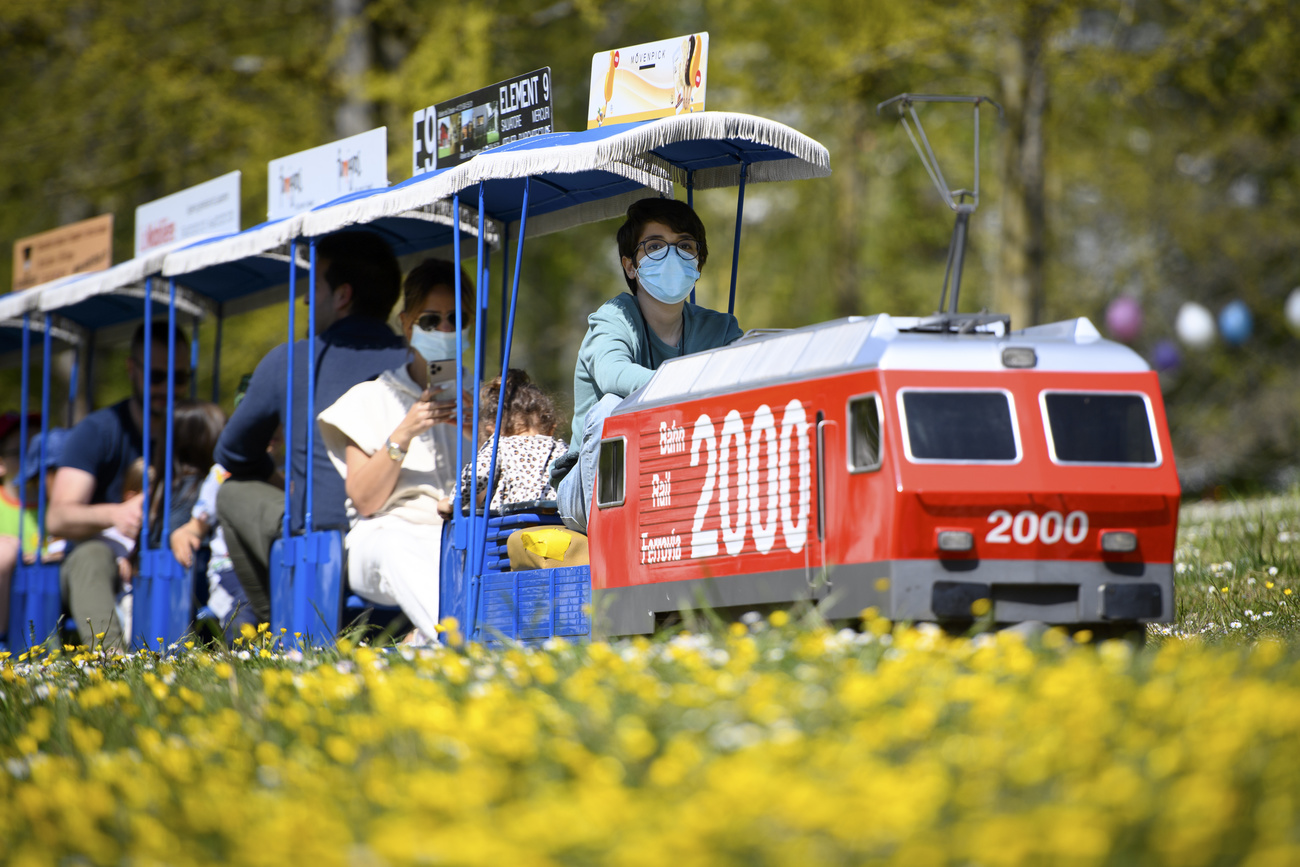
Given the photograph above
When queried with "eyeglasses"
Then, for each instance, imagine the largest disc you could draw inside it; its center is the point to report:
(159, 377)
(657, 248)
(430, 321)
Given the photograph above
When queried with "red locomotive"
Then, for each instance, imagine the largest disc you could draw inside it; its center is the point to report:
(878, 461)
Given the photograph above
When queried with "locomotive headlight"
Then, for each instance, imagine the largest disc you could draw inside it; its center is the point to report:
(1019, 356)
(955, 540)
(1119, 541)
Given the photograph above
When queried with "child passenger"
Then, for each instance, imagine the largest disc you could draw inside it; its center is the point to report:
(123, 547)
(527, 448)
(226, 596)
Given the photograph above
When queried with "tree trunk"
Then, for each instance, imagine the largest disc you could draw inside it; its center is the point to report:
(1019, 290)
(356, 113)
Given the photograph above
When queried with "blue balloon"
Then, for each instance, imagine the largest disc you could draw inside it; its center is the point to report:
(1235, 323)
(1165, 355)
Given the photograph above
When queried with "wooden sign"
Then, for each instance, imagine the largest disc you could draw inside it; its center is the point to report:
(73, 249)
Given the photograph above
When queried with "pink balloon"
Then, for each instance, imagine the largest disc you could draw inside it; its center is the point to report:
(1124, 318)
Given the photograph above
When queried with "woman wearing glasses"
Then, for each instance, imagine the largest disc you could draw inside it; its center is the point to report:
(662, 249)
(393, 440)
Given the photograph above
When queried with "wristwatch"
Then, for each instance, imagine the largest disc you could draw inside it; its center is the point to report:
(395, 451)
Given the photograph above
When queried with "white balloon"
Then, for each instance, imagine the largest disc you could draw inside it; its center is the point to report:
(1293, 309)
(1195, 325)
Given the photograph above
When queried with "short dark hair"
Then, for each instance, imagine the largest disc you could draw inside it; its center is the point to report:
(675, 214)
(437, 272)
(364, 261)
(158, 334)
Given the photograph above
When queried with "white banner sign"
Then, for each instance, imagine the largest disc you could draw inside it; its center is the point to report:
(656, 79)
(309, 178)
(211, 208)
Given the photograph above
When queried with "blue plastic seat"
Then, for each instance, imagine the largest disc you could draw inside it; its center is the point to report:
(307, 585)
(164, 600)
(35, 604)
(532, 605)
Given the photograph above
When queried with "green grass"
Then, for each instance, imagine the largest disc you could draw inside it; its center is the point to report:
(1237, 572)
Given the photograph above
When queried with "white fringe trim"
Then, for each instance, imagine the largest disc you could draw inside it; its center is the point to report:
(232, 249)
(391, 203)
(627, 154)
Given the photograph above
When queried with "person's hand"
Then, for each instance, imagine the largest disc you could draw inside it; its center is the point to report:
(444, 508)
(185, 541)
(124, 570)
(419, 418)
(128, 515)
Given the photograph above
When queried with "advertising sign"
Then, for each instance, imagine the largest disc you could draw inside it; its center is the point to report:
(211, 208)
(454, 131)
(72, 249)
(313, 177)
(657, 79)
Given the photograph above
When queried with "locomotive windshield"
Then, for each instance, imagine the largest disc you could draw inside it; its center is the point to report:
(1091, 428)
(959, 426)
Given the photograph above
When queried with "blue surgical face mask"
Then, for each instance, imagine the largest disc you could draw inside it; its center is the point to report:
(433, 345)
(669, 279)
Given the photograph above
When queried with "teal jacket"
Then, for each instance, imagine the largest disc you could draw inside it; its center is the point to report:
(620, 352)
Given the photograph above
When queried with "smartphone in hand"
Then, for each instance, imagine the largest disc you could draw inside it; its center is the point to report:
(442, 375)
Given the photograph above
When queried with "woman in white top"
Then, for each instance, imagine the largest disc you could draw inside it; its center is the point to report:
(393, 440)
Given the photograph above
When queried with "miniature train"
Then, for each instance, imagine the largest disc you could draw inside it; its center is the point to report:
(878, 462)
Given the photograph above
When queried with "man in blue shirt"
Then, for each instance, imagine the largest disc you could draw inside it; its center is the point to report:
(358, 282)
(86, 497)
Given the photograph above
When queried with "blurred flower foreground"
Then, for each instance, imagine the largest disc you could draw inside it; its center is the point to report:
(773, 742)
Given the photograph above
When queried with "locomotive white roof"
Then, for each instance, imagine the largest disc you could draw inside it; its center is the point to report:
(880, 342)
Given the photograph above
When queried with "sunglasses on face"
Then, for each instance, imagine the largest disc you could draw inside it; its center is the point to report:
(431, 320)
(159, 377)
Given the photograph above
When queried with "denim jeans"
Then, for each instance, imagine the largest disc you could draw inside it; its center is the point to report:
(573, 496)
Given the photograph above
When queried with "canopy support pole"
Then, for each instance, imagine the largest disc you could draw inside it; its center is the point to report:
(508, 319)
(288, 404)
(169, 444)
(216, 354)
(145, 435)
(41, 492)
(308, 522)
(458, 520)
(478, 523)
(74, 385)
(505, 285)
(735, 250)
(194, 358)
(22, 436)
(690, 203)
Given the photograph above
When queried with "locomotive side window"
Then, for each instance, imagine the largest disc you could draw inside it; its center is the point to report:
(610, 473)
(1100, 428)
(966, 426)
(864, 433)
